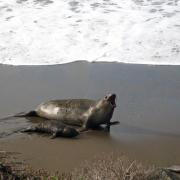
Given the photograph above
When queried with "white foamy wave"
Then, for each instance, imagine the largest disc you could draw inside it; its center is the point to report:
(39, 32)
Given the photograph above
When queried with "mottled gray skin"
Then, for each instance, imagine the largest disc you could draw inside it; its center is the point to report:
(55, 128)
(80, 112)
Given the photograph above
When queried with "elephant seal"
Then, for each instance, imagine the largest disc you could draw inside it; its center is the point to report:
(85, 113)
(55, 128)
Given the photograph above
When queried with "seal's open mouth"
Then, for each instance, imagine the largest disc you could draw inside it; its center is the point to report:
(112, 99)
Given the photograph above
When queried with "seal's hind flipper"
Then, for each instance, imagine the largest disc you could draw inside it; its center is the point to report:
(10, 117)
(26, 114)
(29, 129)
(19, 115)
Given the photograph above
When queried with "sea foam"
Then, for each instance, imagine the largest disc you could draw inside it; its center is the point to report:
(42, 32)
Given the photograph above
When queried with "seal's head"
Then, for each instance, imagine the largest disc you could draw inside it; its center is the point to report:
(69, 132)
(108, 102)
(110, 99)
(102, 112)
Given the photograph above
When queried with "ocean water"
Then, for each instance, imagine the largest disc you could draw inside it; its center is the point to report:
(42, 32)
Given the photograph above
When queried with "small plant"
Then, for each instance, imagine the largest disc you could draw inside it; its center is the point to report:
(111, 167)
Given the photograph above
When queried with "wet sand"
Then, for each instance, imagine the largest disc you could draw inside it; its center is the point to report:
(147, 106)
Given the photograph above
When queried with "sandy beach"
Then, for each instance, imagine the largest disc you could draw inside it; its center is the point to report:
(148, 102)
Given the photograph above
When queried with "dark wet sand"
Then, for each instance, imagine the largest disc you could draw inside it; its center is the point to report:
(148, 108)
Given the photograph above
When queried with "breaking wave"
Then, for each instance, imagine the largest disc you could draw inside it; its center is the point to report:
(43, 32)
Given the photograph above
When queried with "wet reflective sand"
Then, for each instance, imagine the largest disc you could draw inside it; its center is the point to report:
(147, 107)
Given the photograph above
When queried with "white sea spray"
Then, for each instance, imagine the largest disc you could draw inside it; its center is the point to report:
(40, 32)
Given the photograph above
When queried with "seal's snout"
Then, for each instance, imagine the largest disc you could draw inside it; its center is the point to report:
(112, 99)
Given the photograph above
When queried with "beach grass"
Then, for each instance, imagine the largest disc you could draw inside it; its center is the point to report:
(105, 167)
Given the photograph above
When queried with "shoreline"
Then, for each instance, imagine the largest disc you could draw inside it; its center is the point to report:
(89, 62)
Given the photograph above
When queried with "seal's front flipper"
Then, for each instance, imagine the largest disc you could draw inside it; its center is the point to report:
(114, 123)
(54, 135)
(107, 128)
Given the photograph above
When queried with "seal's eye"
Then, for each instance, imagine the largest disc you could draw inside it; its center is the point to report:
(105, 97)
